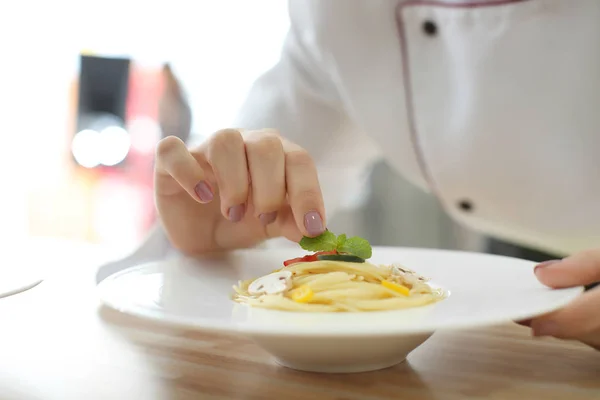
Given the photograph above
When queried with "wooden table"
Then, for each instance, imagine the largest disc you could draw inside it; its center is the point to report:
(58, 343)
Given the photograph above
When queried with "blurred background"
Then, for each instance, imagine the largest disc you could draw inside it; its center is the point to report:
(88, 88)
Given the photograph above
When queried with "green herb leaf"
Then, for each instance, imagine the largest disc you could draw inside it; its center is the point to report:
(356, 246)
(341, 239)
(326, 241)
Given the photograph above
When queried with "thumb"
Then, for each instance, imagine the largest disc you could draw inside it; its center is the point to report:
(577, 270)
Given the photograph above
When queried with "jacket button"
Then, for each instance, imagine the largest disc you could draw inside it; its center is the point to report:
(430, 28)
(465, 205)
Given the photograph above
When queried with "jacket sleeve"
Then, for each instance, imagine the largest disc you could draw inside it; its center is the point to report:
(300, 98)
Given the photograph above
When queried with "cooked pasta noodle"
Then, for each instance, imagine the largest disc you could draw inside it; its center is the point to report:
(337, 286)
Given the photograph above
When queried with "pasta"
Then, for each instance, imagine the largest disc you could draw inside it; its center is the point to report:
(337, 286)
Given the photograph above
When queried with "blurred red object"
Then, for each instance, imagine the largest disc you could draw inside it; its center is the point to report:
(109, 202)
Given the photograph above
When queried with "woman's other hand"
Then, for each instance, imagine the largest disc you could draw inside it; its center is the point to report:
(580, 320)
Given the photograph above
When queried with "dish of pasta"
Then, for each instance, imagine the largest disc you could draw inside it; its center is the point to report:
(337, 277)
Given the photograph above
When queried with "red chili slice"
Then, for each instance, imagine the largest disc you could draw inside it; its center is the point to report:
(308, 258)
(292, 261)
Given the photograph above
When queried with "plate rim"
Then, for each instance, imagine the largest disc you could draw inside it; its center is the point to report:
(230, 327)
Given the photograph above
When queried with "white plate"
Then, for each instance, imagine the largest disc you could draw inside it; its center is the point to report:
(482, 290)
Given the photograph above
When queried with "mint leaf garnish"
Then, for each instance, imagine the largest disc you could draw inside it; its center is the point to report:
(356, 246)
(326, 241)
(341, 239)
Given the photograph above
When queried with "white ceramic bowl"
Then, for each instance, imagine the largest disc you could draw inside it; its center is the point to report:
(482, 290)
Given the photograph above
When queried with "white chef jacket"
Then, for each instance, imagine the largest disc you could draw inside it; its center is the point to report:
(493, 106)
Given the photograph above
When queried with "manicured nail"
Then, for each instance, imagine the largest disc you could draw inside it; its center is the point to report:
(544, 265)
(204, 192)
(546, 328)
(313, 223)
(236, 213)
(267, 218)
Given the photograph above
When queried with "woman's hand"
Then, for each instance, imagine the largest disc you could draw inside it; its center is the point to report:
(236, 191)
(579, 320)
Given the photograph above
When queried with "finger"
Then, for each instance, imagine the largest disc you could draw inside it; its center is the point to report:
(577, 270)
(266, 163)
(304, 191)
(579, 319)
(284, 226)
(226, 155)
(175, 163)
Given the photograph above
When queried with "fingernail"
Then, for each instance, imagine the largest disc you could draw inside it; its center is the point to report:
(313, 223)
(544, 264)
(546, 328)
(236, 213)
(204, 192)
(267, 218)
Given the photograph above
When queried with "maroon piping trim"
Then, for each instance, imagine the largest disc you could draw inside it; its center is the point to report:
(445, 4)
(417, 146)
